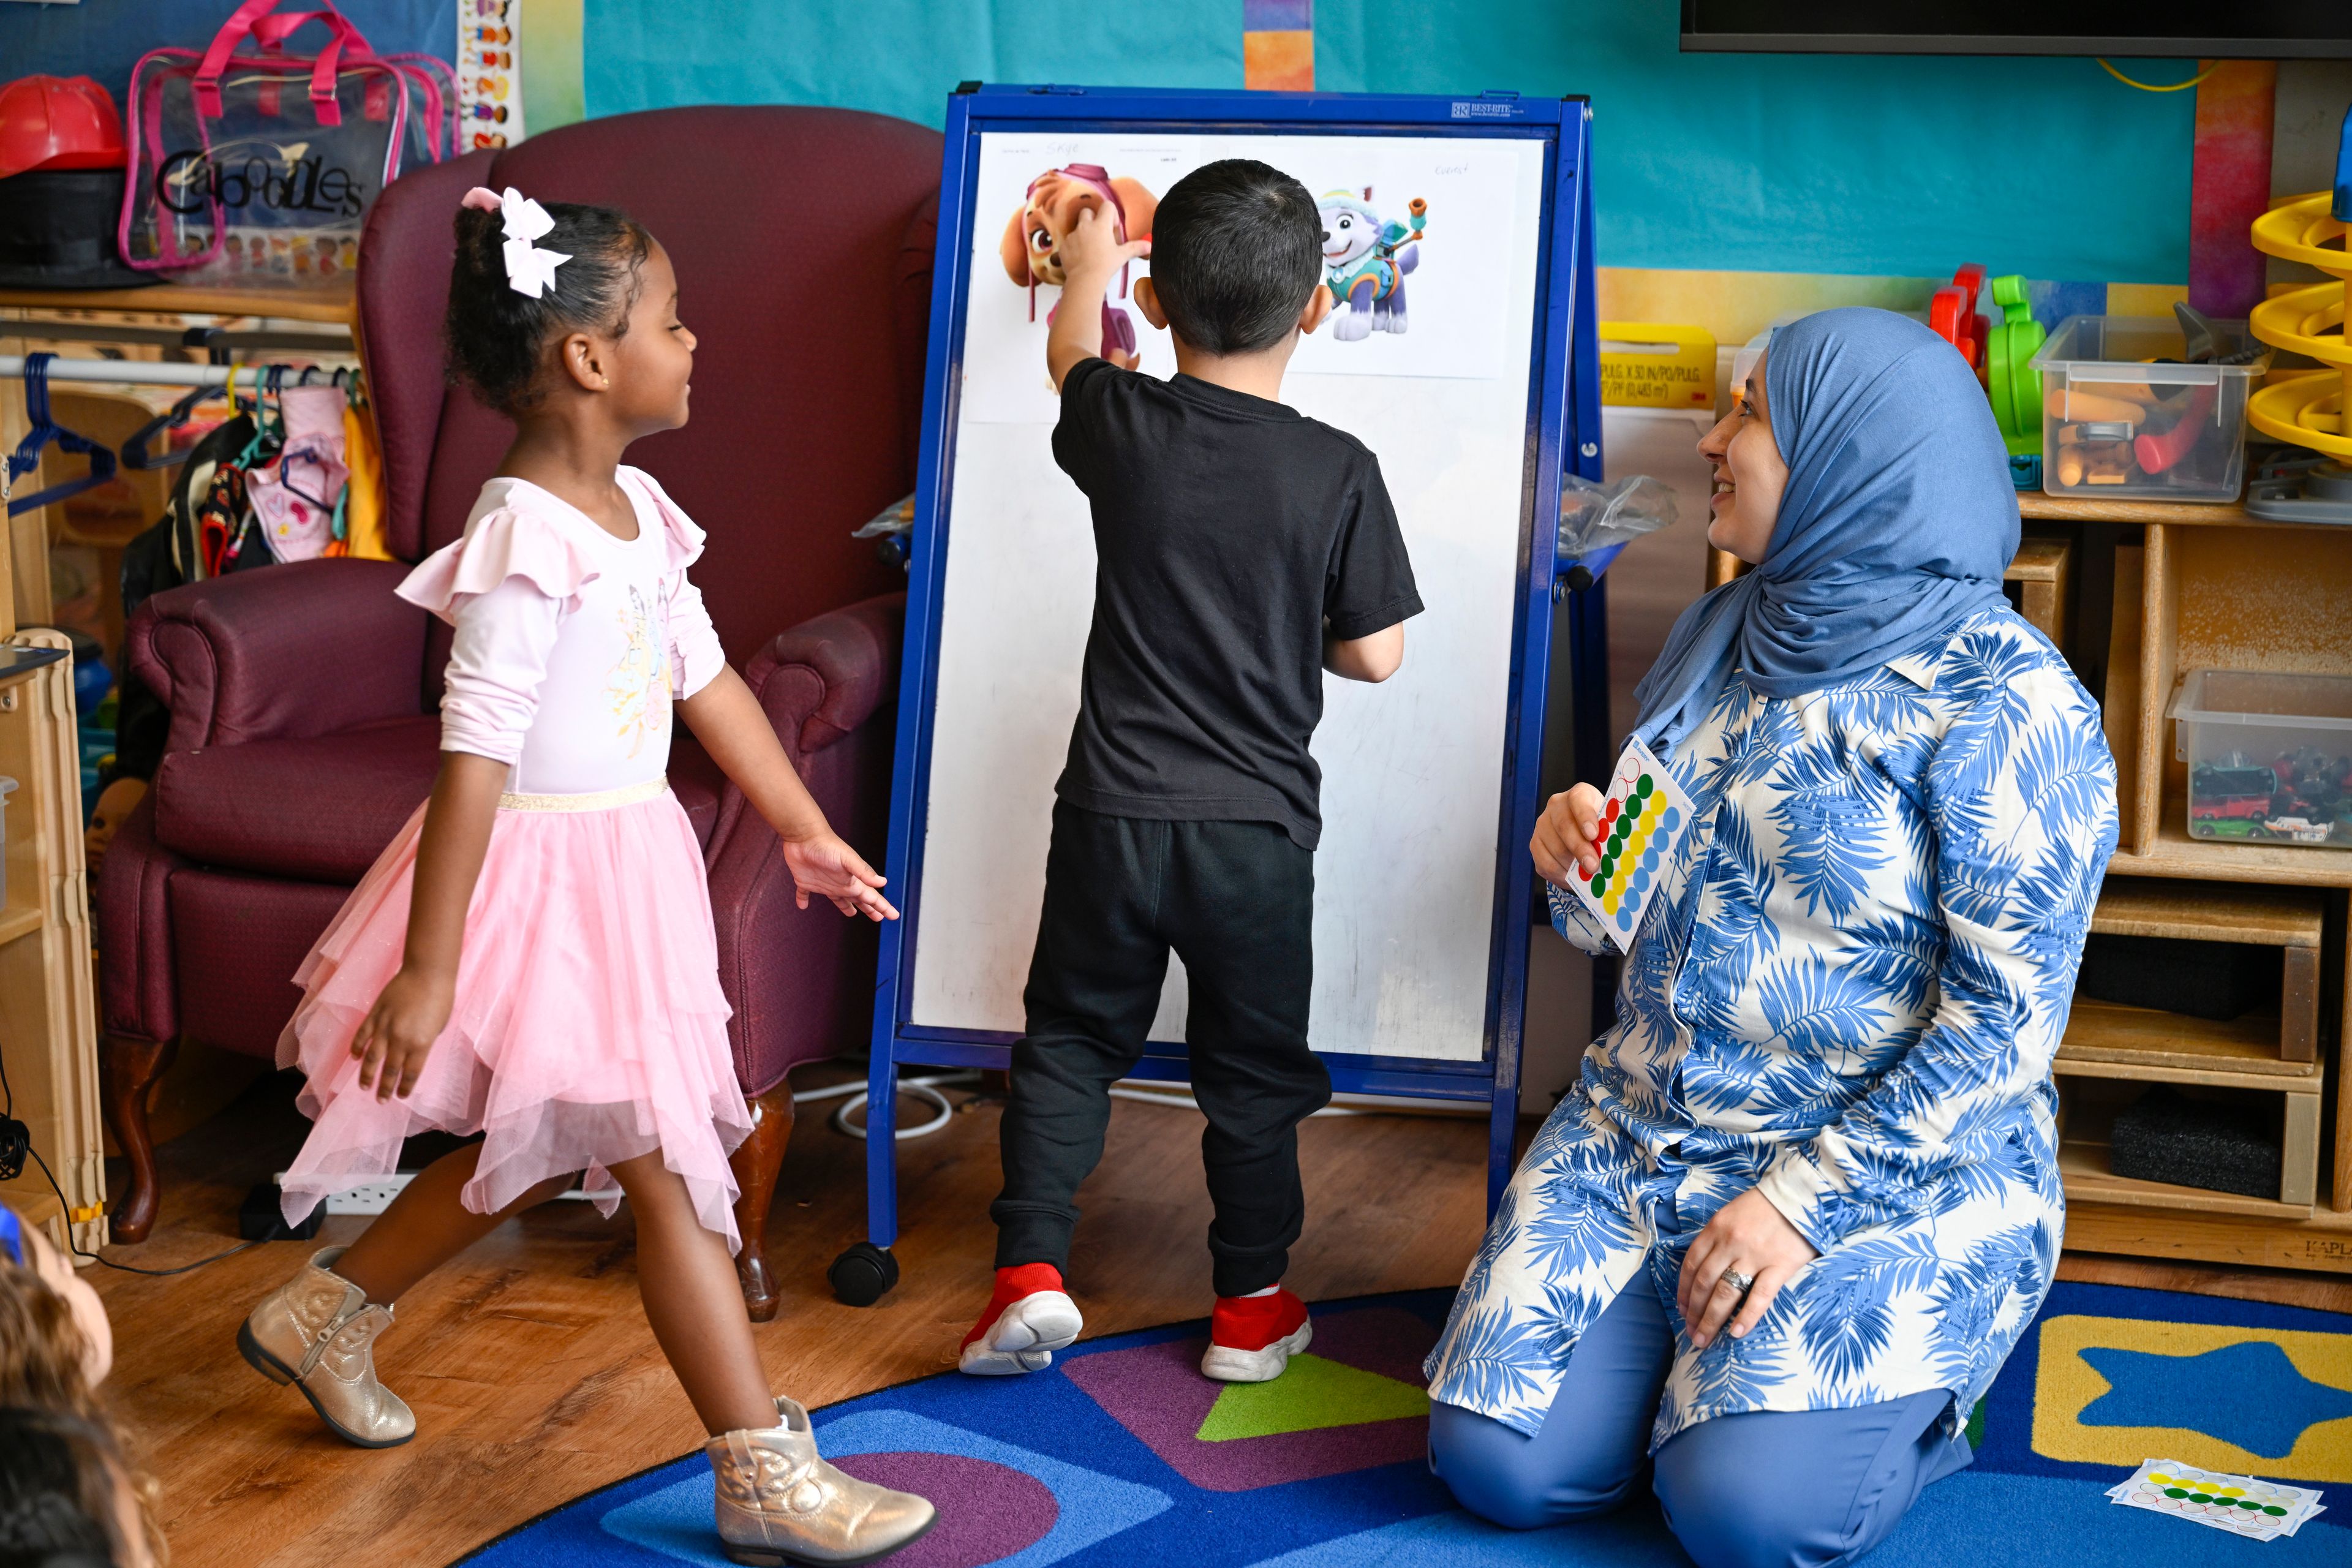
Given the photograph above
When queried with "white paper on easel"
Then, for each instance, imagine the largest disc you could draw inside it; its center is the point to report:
(1413, 768)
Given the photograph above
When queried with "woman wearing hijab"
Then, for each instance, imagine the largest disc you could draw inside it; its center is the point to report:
(1805, 1198)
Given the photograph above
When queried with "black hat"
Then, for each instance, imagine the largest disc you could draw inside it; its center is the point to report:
(57, 231)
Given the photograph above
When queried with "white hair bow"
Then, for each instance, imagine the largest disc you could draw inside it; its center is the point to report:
(530, 270)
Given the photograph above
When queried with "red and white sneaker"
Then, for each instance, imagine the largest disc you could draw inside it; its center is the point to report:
(1253, 1337)
(1028, 1319)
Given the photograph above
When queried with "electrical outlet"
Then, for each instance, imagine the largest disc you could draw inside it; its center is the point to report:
(373, 1199)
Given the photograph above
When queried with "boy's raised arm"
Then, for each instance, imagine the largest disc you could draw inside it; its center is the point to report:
(1089, 256)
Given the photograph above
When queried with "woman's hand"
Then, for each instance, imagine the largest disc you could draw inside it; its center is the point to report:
(824, 866)
(398, 1033)
(1566, 834)
(1749, 1235)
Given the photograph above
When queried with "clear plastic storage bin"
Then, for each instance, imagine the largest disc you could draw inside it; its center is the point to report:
(2269, 755)
(2115, 423)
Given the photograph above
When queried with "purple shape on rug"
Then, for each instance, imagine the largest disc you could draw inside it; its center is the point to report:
(1158, 1394)
(987, 1512)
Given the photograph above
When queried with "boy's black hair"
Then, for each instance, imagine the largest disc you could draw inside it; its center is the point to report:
(1236, 252)
(494, 335)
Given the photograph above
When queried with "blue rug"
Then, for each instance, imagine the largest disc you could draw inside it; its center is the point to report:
(1123, 1453)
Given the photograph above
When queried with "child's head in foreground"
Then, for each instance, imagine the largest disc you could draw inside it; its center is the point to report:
(65, 1498)
(604, 330)
(68, 1498)
(56, 1346)
(1237, 259)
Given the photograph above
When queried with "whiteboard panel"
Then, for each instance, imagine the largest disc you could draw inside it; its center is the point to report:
(1412, 769)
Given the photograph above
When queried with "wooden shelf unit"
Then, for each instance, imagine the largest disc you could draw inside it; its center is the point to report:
(339, 306)
(2211, 587)
(49, 1013)
(2271, 1051)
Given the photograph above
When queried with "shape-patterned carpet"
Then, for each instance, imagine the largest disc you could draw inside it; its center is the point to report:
(1124, 1454)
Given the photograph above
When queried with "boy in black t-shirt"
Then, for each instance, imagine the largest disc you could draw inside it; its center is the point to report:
(1244, 549)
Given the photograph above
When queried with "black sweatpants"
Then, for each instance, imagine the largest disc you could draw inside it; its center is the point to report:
(1237, 902)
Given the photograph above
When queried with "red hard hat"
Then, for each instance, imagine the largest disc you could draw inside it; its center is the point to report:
(57, 122)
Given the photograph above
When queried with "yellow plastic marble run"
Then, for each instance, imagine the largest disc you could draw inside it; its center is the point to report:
(2308, 408)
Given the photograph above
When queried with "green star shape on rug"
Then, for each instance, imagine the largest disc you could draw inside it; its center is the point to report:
(1313, 1395)
(2249, 1395)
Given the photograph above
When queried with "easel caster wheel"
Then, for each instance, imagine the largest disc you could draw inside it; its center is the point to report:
(862, 1275)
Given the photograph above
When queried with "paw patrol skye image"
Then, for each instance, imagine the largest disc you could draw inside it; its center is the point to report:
(1365, 261)
(1049, 209)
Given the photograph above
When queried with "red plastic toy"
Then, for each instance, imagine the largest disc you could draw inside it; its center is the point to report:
(1952, 314)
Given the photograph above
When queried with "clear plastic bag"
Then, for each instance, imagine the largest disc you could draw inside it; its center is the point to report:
(1593, 515)
(897, 518)
(254, 165)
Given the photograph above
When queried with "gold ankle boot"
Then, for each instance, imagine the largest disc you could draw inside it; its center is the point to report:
(317, 1332)
(778, 1503)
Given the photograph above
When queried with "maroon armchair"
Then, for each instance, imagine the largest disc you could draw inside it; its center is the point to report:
(303, 696)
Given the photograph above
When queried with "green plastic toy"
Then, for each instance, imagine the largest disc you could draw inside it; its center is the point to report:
(2010, 376)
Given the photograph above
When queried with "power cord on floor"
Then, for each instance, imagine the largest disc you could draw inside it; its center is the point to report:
(17, 1146)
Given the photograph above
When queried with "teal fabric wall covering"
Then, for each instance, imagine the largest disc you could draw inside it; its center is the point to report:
(1881, 165)
(896, 57)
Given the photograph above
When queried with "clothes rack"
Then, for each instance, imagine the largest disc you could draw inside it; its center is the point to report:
(150, 372)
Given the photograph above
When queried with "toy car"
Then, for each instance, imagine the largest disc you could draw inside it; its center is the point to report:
(2231, 793)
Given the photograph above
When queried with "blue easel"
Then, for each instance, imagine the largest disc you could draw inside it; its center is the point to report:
(1564, 429)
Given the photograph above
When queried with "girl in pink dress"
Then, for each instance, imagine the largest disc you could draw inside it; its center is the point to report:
(532, 957)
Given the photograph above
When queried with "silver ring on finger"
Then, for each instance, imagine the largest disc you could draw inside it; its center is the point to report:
(1743, 1283)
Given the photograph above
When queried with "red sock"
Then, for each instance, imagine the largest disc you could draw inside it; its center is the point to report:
(1012, 1284)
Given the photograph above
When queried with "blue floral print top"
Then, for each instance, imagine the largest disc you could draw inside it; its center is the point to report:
(1848, 995)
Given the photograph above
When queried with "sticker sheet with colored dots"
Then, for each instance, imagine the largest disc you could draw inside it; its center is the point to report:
(1643, 820)
(2243, 1505)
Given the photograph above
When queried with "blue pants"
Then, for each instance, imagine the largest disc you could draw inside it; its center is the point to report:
(1812, 1489)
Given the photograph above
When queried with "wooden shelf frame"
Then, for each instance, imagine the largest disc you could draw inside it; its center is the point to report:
(49, 1012)
(339, 306)
(2284, 1040)
(2084, 1167)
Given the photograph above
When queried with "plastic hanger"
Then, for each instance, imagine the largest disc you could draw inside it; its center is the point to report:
(134, 451)
(45, 430)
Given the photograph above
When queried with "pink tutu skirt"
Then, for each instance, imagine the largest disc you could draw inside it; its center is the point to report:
(589, 1026)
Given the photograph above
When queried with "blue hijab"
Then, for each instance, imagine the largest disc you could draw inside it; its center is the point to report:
(1897, 522)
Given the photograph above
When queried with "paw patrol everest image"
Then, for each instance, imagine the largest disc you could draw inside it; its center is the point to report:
(1049, 209)
(1365, 261)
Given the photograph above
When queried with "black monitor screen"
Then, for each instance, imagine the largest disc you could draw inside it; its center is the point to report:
(2250, 29)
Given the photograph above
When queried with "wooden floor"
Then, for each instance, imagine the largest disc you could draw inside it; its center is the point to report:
(534, 1379)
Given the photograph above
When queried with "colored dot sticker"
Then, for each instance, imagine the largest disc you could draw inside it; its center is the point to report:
(1625, 923)
(1644, 786)
(1673, 818)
